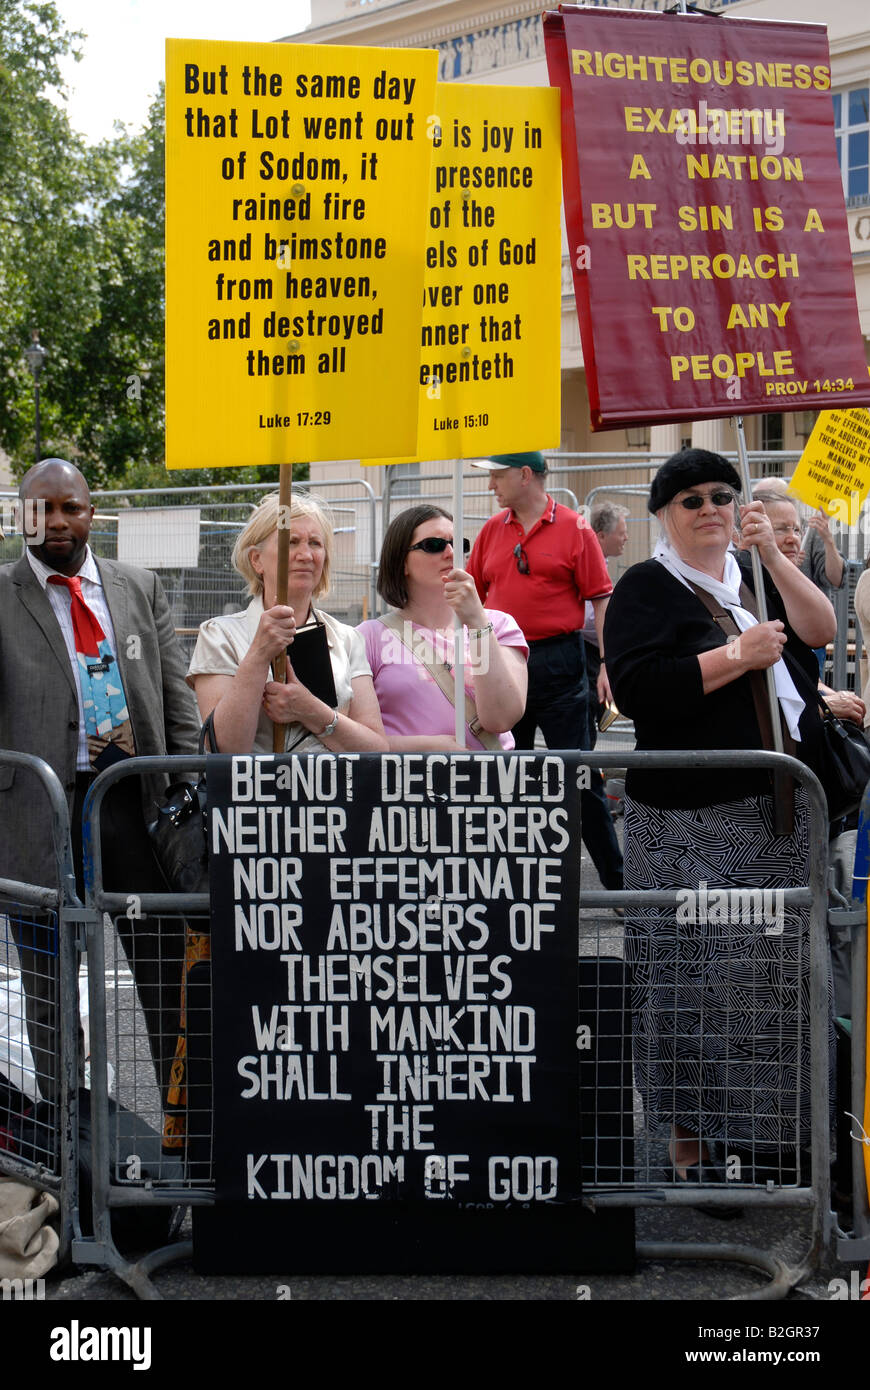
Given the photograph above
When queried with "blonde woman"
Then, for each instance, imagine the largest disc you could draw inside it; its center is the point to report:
(231, 668)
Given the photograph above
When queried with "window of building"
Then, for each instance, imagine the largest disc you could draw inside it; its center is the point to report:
(771, 434)
(852, 131)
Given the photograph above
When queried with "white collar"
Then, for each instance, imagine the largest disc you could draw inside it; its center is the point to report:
(727, 591)
(88, 569)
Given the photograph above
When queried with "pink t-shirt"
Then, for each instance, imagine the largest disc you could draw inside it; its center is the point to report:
(412, 704)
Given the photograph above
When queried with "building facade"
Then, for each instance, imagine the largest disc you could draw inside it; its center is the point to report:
(504, 45)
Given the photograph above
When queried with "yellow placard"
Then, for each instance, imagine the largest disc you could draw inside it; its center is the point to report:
(834, 469)
(296, 193)
(489, 365)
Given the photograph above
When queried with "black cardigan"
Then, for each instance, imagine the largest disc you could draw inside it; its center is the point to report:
(654, 630)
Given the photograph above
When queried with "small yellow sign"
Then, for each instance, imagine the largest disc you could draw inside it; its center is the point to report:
(834, 469)
(296, 194)
(489, 364)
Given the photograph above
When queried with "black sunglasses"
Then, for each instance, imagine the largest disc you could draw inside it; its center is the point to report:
(695, 501)
(521, 558)
(436, 545)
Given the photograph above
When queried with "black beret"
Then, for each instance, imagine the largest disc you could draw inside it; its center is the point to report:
(686, 469)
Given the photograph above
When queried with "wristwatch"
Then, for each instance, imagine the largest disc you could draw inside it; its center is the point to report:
(331, 726)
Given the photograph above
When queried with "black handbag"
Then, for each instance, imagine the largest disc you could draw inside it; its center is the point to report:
(842, 763)
(179, 832)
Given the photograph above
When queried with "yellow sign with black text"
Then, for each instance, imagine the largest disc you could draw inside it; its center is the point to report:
(489, 362)
(834, 469)
(296, 203)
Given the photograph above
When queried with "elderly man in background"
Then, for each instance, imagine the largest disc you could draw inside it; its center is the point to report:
(608, 521)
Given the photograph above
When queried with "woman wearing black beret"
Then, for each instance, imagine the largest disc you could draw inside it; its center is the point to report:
(721, 1027)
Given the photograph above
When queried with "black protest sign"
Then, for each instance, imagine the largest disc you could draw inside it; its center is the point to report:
(395, 981)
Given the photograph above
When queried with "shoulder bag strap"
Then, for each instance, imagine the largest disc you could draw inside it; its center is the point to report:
(783, 785)
(207, 739)
(441, 674)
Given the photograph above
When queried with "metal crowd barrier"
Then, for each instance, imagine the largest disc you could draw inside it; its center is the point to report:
(851, 921)
(633, 1179)
(40, 936)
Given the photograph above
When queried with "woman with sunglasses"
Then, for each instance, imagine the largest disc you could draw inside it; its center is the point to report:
(721, 1032)
(411, 651)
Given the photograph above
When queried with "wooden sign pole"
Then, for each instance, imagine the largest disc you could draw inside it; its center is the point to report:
(458, 629)
(279, 665)
(783, 790)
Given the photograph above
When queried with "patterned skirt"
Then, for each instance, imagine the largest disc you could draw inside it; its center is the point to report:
(720, 989)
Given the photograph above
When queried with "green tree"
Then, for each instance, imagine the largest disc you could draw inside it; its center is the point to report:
(50, 186)
(117, 375)
(82, 261)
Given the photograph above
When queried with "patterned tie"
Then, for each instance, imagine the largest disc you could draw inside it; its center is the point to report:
(104, 704)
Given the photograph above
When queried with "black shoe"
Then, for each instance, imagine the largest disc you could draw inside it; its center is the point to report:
(760, 1166)
(706, 1172)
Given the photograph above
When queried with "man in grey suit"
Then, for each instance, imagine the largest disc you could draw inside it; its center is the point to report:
(57, 604)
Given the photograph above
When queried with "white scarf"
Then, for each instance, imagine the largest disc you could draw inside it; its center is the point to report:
(727, 592)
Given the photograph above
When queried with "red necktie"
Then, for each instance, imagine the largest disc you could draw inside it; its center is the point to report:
(86, 628)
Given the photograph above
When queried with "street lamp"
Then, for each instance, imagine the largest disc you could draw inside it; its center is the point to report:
(36, 355)
(637, 436)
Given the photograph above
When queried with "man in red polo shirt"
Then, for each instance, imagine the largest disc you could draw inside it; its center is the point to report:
(540, 562)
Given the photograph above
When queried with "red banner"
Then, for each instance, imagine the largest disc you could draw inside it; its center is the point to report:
(705, 216)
